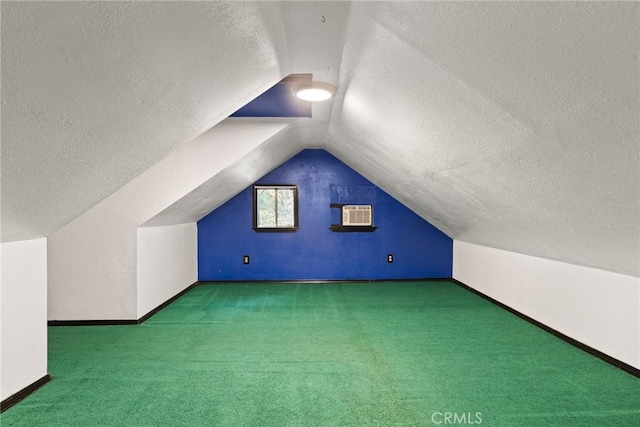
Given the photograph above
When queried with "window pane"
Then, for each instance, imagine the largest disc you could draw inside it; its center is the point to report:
(275, 207)
(266, 208)
(285, 217)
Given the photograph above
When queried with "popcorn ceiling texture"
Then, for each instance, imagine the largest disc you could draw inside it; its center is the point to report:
(95, 93)
(512, 125)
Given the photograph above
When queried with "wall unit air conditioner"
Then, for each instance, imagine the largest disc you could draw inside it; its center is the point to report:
(358, 215)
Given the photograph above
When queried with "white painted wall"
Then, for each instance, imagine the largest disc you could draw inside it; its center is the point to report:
(92, 260)
(595, 307)
(24, 315)
(167, 263)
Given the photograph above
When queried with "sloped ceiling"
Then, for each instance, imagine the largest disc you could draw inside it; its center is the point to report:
(235, 178)
(94, 93)
(507, 124)
(511, 125)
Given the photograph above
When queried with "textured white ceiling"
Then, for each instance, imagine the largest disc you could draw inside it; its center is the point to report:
(507, 124)
(512, 125)
(235, 178)
(94, 93)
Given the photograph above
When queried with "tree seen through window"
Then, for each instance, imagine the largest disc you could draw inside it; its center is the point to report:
(275, 207)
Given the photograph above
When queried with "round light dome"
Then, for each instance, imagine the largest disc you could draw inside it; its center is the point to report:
(318, 91)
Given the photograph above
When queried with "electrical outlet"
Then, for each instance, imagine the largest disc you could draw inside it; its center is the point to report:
(390, 258)
(245, 259)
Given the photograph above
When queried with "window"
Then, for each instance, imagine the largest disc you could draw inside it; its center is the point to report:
(275, 207)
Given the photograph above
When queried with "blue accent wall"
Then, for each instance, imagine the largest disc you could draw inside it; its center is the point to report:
(314, 252)
(278, 101)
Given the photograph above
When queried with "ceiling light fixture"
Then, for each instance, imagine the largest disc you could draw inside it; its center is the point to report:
(317, 91)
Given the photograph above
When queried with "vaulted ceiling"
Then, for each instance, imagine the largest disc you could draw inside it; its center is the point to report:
(508, 124)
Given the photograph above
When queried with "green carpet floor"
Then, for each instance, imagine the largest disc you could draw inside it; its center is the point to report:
(357, 354)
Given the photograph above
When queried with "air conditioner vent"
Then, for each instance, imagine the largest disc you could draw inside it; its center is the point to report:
(361, 215)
